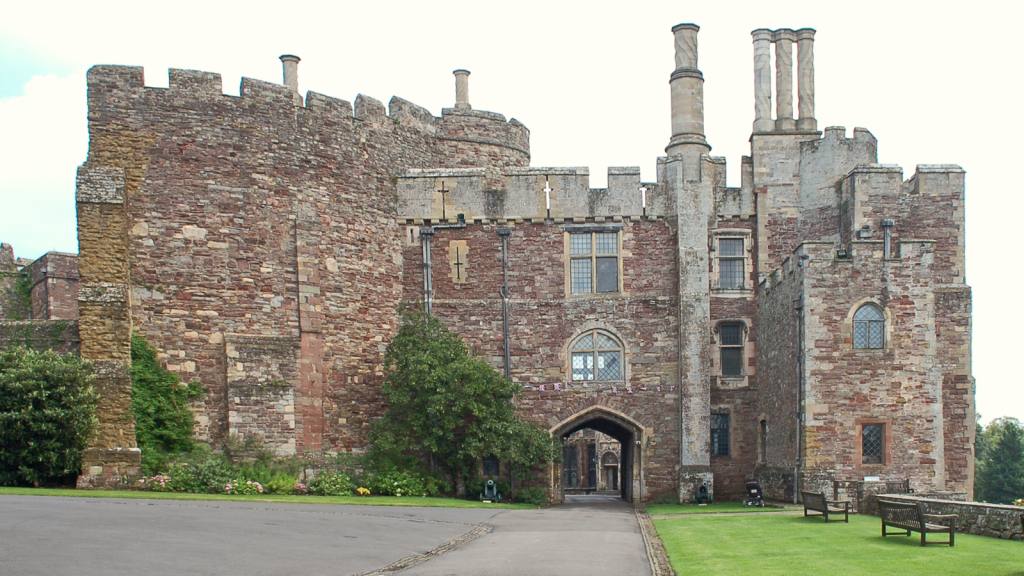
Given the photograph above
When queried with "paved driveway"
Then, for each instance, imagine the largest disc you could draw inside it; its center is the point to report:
(84, 537)
(589, 535)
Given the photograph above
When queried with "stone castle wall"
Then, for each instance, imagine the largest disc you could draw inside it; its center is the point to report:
(265, 243)
(259, 217)
(544, 320)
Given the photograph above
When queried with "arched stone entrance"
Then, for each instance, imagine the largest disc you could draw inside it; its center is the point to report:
(628, 432)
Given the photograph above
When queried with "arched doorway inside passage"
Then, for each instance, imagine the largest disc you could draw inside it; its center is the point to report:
(629, 433)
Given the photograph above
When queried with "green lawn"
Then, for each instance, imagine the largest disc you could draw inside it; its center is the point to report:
(789, 545)
(720, 508)
(351, 500)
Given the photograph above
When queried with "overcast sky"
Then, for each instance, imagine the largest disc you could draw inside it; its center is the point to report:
(935, 82)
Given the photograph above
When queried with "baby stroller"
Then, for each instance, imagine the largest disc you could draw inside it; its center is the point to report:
(754, 495)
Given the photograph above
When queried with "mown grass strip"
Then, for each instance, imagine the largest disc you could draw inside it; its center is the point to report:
(786, 545)
(346, 500)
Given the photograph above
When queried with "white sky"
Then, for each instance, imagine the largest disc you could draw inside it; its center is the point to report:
(935, 82)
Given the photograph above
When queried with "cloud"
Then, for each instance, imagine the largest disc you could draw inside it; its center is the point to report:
(44, 138)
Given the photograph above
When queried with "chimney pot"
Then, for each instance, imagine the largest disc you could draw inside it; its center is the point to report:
(290, 63)
(462, 90)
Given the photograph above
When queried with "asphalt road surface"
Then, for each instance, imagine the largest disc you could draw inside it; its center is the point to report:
(83, 537)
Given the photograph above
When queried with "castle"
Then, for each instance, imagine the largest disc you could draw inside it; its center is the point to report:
(810, 326)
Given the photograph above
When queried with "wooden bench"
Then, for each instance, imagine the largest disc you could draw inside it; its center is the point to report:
(911, 518)
(816, 502)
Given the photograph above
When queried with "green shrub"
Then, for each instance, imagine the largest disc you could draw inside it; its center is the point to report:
(443, 401)
(247, 487)
(331, 484)
(535, 495)
(47, 407)
(200, 472)
(394, 482)
(164, 424)
(280, 483)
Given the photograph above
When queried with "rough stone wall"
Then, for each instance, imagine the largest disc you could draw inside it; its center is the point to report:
(260, 216)
(932, 207)
(994, 520)
(953, 336)
(54, 278)
(105, 322)
(780, 299)
(13, 305)
(543, 321)
(898, 386)
(795, 177)
(736, 396)
(824, 163)
(58, 335)
(776, 183)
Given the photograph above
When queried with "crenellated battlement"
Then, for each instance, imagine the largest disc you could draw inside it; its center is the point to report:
(912, 257)
(460, 132)
(534, 193)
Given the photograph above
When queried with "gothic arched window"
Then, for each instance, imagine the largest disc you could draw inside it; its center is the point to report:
(868, 327)
(596, 355)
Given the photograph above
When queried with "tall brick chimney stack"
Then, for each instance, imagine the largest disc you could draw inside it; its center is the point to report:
(687, 84)
(462, 90)
(290, 64)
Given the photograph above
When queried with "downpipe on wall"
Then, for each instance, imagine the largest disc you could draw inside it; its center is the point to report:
(504, 233)
(798, 305)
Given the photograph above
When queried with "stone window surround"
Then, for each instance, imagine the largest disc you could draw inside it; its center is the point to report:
(748, 263)
(749, 352)
(594, 350)
(567, 231)
(886, 424)
(566, 351)
(846, 329)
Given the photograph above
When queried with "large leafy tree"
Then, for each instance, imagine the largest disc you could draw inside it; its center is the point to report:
(1000, 470)
(47, 407)
(161, 404)
(444, 402)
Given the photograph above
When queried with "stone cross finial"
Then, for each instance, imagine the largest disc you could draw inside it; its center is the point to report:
(290, 64)
(784, 79)
(762, 80)
(462, 90)
(805, 76)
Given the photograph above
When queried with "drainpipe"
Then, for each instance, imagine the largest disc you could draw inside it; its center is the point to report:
(798, 305)
(887, 225)
(428, 288)
(504, 233)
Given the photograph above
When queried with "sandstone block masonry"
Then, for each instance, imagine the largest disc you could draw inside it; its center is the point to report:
(265, 243)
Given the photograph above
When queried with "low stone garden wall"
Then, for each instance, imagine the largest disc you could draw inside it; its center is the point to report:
(995, 520)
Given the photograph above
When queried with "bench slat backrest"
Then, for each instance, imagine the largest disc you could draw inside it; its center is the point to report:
(900, 514)
(814, 499)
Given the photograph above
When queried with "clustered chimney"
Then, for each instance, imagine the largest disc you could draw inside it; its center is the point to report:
(783, 40)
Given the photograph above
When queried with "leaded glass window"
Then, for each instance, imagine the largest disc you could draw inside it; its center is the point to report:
(872, 437)
(731, 261)
(730, 345)
(868, 327)
(594, 262)
(596, 356)
(719, 434)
